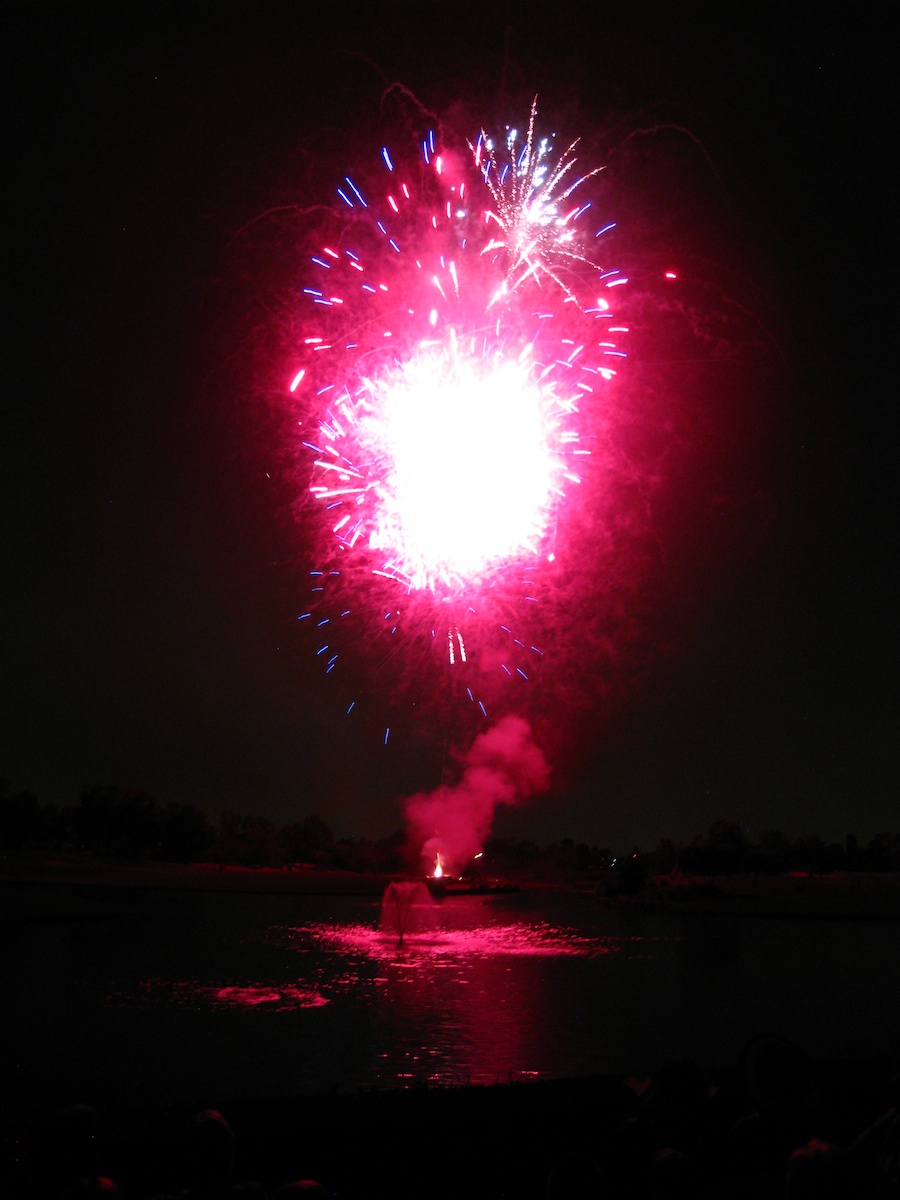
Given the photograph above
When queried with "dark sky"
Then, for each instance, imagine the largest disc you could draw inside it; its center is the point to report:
(150, 569)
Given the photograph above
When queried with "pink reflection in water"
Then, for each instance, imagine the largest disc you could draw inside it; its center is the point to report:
(281, 998)
(474, 999)
(538, 939)
(195, 994)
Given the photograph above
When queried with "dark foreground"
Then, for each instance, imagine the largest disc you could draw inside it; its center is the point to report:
(678, 1134)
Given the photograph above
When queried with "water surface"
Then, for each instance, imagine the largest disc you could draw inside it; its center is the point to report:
(202, 997)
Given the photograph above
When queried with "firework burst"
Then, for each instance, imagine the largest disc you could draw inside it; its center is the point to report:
(457, 324)
(537, 227)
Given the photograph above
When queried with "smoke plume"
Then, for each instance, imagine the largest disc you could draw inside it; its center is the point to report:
(503, 766)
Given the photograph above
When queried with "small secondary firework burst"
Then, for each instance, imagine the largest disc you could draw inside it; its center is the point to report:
(527, 191)
(458, 321)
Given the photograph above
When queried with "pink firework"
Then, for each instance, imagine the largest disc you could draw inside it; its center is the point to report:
(458, 324)
(449, 463)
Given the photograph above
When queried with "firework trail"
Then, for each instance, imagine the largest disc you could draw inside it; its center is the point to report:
(457, 323)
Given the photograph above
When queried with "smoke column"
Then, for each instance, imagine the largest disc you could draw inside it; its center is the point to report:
(503, 766)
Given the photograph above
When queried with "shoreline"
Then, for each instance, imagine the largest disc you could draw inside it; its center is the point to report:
(840, 896)
(192, 877)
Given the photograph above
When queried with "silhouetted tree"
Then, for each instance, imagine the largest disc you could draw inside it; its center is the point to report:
(883, 852)
(773, 853)
(695, 859)
(394, 852)
(524, 852)
(185, 834)
(309, 841)
(562, 855)
(118, 821)
(632, 873)
(810, 854)
(24, 823)
(723, 851)
(585, 858)
(351, 854)
(854, 857)
(728, 847)
(664, 859)
(248, 841)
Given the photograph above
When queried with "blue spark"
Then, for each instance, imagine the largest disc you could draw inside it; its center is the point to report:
(356, 191)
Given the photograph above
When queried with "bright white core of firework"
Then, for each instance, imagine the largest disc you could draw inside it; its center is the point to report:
(468, 464)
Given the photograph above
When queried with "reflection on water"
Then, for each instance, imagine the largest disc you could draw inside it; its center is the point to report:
(475, 991)
(194, 994)
(340, 958)
(477, 941)
(209, 996)
(469, 997)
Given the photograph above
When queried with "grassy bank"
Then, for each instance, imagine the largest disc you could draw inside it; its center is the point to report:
(92, 871)
(841, 895)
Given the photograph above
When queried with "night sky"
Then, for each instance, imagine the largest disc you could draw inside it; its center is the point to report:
(152, 571)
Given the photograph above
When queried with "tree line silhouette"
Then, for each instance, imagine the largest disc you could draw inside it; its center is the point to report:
(128, 824)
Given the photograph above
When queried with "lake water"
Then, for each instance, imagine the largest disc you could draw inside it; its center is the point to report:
(193, 998)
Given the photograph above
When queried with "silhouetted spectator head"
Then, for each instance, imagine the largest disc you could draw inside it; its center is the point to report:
(755, 1148)
(634, 1142)
(206, 1151)
(876, 1155)
(576, 1177)
(300, 1189)
(682, 1085)
(674, 1176)
(64, 1148)
(821, 1171)
(92, 1187)
(779, 1078)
